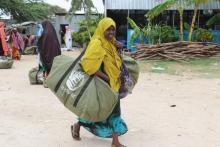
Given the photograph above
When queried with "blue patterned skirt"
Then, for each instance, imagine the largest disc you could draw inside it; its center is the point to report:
(113, 124)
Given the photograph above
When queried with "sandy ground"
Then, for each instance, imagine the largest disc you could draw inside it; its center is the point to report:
(31, 116)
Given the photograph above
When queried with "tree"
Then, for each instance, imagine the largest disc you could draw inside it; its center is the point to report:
(88, 7)
(26, 10)
(43, 10)
(178, 4)
(77, 5)
(82, 36)
(196, 4)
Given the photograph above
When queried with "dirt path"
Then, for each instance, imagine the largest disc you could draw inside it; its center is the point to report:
(31, 116)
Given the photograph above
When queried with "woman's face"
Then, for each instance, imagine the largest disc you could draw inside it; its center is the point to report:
(110, 33)
(14, 30)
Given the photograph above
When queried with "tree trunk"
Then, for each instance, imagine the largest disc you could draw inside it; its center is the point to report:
(181, 24)
(193, 23)
(87, 19)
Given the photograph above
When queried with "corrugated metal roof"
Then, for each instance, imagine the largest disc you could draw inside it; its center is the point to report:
(211, 5)
(149, 4)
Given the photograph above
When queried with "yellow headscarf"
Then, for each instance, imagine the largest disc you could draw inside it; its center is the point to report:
(103, 51)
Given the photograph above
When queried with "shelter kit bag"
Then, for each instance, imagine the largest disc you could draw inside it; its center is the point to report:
(5, 62)
(89, 97)
(36, 76)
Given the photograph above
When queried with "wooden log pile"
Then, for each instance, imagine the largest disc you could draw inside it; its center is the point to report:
(178, 51)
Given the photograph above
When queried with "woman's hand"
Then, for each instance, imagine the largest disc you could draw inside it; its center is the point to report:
(118, 44)
(102, 76)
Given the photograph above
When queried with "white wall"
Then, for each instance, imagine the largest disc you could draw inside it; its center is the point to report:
(61, 19)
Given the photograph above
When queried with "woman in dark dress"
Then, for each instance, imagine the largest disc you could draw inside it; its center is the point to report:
(48, 46)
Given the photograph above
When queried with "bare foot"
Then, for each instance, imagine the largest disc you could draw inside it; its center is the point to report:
(75, 129)
(115, 141)
(118, 145)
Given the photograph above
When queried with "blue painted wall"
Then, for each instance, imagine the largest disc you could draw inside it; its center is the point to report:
(185, 34)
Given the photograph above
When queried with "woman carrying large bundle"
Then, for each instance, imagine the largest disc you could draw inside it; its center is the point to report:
(102, 59)
(17, 44)
(5, 60)
(48, 46)
(4, 51)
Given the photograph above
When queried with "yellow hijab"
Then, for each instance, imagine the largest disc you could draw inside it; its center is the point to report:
(103, 51)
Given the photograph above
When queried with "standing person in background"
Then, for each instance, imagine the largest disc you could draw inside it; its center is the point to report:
(68, 38)
(102, 53)
(17, 44)
(48, 46)
(25, 39)
(32, 41)
(4, 51)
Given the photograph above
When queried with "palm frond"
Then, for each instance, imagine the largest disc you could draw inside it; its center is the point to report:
(214, 19)
(137, 31)
(133, 24)
(159, 9)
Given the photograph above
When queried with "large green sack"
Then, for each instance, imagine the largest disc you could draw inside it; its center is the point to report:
(89, 97)
(5, 62)
(35, 76)
(31, 50)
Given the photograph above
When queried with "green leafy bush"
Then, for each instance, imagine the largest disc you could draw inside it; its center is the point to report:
(77, 37)
(86, 30)
(204, 35)
(153, 33)
(168, 34)
(162, 34)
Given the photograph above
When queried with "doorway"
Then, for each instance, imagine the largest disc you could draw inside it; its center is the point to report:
(62, 32)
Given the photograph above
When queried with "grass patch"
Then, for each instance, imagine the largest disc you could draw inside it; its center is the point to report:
(205, 67)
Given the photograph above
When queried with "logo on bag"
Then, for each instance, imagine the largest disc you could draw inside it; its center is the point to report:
(75, 80)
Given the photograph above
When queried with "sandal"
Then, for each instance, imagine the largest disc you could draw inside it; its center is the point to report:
(75, 132)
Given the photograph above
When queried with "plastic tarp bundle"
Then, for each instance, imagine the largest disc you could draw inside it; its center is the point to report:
(5, 62)
(31, 50)
(35, 76)
(89, 97)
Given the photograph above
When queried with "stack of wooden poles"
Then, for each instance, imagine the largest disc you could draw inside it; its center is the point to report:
(177, 51)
